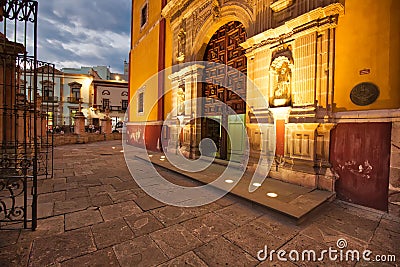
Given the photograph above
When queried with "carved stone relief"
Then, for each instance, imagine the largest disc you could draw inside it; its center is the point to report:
(181, 45)
(216, 10)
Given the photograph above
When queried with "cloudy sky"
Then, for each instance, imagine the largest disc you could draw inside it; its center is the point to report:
(74, 33)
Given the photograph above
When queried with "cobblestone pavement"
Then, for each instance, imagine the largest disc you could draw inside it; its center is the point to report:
(92, 213)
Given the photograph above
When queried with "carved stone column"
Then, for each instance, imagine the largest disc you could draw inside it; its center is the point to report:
(184, 128)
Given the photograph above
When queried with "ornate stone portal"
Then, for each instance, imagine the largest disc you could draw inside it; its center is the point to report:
(290, 63)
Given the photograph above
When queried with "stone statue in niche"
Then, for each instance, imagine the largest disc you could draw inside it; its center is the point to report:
(181, 45)
(181, 100)
(282, 89)
(281, 77)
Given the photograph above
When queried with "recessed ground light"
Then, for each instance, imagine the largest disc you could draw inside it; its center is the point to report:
(229, 181)
(272, 194)
(150, 156)
(163, 157)
(113, 147)
(257, 184)
(121, 151)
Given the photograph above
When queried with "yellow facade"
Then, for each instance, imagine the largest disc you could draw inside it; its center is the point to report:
(144, 58)
(168, 64)
(368, 39)
(144, 61)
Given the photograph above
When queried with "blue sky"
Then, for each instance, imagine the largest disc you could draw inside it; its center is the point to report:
(74, 33)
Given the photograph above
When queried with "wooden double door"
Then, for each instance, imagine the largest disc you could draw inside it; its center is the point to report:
(225, 87)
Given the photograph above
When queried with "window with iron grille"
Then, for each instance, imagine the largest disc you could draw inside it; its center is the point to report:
(144, 15)
(124, 104)
(141, 102)
(76, 93)
(106, 104)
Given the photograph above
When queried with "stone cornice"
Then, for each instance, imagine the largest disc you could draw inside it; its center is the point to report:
(186, 71)
(280, 5)
(389, 115)
(183, 9)
(173, 7)
(314, 18)
(170, 9)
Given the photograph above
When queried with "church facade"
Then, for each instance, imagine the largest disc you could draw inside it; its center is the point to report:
(326, 76)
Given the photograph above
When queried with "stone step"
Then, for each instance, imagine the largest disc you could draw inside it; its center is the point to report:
(292, 200)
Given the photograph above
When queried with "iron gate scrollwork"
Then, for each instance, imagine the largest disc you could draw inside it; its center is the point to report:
(26, 114)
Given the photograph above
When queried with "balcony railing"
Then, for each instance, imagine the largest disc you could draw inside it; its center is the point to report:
(74, 100)
(51, 99)
(115, 108)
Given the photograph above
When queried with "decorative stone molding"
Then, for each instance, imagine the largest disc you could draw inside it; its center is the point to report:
(202, 19)
(317, 18)
(385, 115)
(216, 10)
(301, 141)
(185, 72)
(280, 5)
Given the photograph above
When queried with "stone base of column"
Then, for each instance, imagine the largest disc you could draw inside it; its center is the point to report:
(106, 126)
(79, 119)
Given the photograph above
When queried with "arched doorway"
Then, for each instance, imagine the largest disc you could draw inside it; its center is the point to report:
(224, 48)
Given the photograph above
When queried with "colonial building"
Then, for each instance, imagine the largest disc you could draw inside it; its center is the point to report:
(101, 91)
(74, 91)
(326, 69)
(110, 97)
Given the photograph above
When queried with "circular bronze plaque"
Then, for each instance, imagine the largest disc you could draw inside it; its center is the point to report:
(364, 94)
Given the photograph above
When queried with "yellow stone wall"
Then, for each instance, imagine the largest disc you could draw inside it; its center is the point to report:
(168, 64)
(144, 61)
(368, 37)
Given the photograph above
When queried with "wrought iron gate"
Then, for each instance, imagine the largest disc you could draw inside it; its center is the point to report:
(26, 114)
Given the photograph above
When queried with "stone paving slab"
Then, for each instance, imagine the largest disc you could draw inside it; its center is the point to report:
(82, 218)
(88, 218)
(119, 210)
(16, 254)
(221, 252)
(141, 251)
(187, 259)
(175, 240)
(61, 247)
(105, 257)
(111, 233)
(68, 206)
(143, 223)
(208, 227)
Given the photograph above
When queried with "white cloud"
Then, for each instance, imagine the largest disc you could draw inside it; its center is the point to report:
(74, 33)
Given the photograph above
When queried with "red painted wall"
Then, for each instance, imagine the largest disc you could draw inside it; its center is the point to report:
(280, 138)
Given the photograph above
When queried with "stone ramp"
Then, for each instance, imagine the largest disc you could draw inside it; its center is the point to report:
(291, 200)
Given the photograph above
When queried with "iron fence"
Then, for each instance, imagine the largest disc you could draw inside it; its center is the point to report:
(25, 121)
